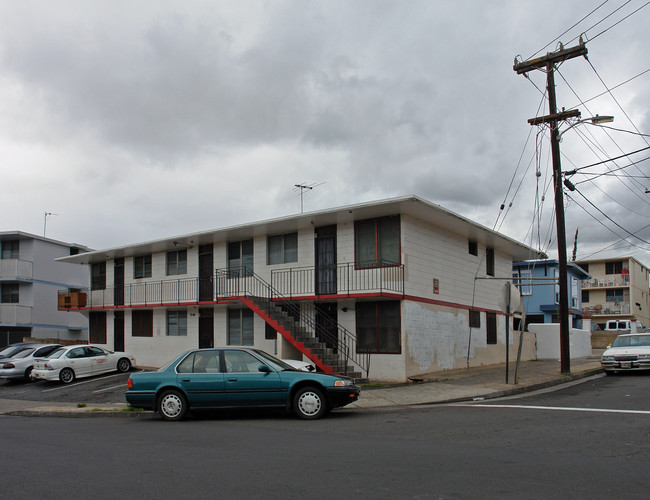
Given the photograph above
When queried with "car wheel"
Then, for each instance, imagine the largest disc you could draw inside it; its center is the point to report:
(28, 374)
(123, 365)
(172, 405)
(309, 403)
(66, 375)
(610, 372)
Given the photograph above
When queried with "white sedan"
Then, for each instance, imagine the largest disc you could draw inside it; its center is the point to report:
(628, 352)
(77, 361)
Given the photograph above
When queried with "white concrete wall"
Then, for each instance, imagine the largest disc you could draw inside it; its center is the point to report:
(548, 341)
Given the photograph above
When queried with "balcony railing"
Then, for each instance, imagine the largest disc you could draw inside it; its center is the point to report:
(607, 308)
(15, 268)
(342, 279)
(15, 314)
(338, 279)
(609, 280)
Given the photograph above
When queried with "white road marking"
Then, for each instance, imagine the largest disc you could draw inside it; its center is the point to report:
(80, 383)
(110, 388)
(557, 408)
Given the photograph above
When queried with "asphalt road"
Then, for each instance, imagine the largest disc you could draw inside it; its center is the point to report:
(588, 441)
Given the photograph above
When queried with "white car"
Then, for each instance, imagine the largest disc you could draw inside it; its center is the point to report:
(77, 361)
(628, 352)
(20, 364)
(303, 366)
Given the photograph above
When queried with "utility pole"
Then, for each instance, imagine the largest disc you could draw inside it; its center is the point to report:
(547, 63)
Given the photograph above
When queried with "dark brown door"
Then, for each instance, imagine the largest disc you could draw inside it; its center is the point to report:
(206, 328)
(118, 282)
(327, 324)
(325, 260)
(206, 280)
(118, 330)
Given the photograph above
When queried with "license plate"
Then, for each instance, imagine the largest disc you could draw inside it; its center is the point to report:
(626, 364)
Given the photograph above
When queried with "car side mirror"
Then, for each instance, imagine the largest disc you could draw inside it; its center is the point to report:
(264, 369)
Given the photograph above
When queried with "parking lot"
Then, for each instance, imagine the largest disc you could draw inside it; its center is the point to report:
(108, 388)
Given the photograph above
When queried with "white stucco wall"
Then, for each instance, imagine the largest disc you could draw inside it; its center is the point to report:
(548, 341)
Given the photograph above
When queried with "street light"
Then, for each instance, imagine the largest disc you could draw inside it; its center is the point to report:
(594, 120)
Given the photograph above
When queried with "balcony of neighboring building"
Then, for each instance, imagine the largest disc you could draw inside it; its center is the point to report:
(14, 314)
(618, 308)
(607, 281)
(16, 269)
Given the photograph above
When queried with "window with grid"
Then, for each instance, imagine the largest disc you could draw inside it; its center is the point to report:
(614, 267)
(177, 323)
(282, 248)
(491, 327)
(10, 293)
(98, 276)
(176, 262)
(376, 242)
(9, 249)
(142, 266)
(142, 323)
(475, 319)
(240, 258)
(489, 261)
(472, 247)
(378, 327)
(240, 327)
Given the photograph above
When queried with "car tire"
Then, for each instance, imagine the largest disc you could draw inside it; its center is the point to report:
(28, 374)
(610, 372)
(172, 405)
(309, 403)
(123, 365)
(66, 376)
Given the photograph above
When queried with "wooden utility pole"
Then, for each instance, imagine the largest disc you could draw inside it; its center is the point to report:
(547, 63)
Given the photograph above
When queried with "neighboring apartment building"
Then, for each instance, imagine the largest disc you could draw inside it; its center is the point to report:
(385, 290)
(619, 288)
(29, 280)
(538, 282)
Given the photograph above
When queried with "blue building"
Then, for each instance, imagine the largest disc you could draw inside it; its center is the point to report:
(538, 282)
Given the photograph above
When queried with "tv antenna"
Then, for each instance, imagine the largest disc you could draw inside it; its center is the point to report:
(305, 187)
(47, 214)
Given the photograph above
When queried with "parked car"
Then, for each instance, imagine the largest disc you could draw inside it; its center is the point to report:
(20, 364)
(300, 365)
(13, 349)
(77, 361)
(236, 378)
(630, 351)
(624, 326)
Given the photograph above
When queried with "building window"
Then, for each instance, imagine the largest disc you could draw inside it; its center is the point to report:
(240, 258)
(176, 262)
(142, 266)
(491, 328)
(489, 261)
(378, 327)
(474, 319)
(97, 327)
(472, 247)
(614, 296)
(240, 327)
(9, 249)
(615, 267)
(523, 281)
(98, 276)
(142, 323)
(9, 293)
(376, 242)
(282, 248)
(585, 296)
(177, 323)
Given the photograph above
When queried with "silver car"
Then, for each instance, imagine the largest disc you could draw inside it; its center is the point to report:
(20, 364)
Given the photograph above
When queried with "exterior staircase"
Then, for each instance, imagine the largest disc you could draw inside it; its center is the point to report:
(331, 353)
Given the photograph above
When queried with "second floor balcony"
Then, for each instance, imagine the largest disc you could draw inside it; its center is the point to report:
(16, 269)
(607, 281)
(607, 308)
(14, 314)
(341, 280)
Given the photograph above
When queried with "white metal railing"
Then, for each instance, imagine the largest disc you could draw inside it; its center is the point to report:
(15, 314)
(609, 280)
(15, 268)
(607, 308)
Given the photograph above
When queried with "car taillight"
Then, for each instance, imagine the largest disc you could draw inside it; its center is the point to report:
(130, 383)
(6, 366)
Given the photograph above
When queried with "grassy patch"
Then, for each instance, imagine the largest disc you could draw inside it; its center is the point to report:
(81, 405)
(131, 408)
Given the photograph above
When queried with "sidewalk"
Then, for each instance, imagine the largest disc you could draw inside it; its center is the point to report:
(486, 382)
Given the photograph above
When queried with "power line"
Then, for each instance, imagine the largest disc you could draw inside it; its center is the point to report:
(621, 20)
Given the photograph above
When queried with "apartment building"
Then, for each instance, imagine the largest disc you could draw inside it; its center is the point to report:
(30, 277)
(619, 288)
(384, 290)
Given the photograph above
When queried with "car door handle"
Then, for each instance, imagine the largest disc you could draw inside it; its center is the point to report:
(232, 380)
(185, 380)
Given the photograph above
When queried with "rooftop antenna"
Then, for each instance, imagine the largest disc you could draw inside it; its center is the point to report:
(47, 214)
(305, 187)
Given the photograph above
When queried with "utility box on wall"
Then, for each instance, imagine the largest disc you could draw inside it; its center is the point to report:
(70, 300)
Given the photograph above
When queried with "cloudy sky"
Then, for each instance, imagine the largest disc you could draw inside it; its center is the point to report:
(138, 120)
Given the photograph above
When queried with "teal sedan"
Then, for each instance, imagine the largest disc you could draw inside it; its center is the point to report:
(236, 377)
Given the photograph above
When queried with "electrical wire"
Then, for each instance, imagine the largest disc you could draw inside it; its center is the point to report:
(618, 22)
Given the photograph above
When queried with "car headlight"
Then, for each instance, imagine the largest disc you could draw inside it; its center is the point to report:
(344, 382)
(607, 358)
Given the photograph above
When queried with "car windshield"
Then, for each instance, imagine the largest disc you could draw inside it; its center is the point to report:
(275, 362)
(631, 341)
